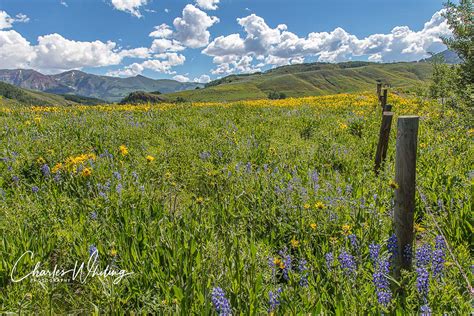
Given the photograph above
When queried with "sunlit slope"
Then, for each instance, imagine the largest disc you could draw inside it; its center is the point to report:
(310, 79)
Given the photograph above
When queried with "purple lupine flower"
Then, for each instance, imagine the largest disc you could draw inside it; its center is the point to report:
(423, 255)
(438, 256)
(93, 251)
(314, 180)
(117, 175)
(425, 310)
(220, 302)
(34, 189)
(392, 245)
(422, 281)
(384, 297)
(347, 262)
(119, 188)
(45, 170)
(286, 261)
(57, 177)
(303, 269)
(205, 155)
(93, 216)
(329, 260)
(15, 179)
(274, 300)
(353, 240)
(248, 167)
(135, 175)
(374, 250)
(382, 286)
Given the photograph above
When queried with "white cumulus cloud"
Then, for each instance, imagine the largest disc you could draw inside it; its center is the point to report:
(181, 78)
(130, 6)
(163, 63)
(207, 4)
(277, 46)
(6, 21)
(202, 79)
(192, 28)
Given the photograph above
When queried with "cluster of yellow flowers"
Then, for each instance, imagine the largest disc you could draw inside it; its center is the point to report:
(71, 163)
(360, 103)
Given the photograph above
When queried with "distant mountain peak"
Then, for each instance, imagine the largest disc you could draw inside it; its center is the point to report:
(449, 57)
(81, 83)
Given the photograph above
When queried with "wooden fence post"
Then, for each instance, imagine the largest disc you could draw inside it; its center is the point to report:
(383, 98)
(379, 89)
(405, 176)
(384, 136)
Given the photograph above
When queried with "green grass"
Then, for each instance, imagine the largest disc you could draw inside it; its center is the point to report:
(310, 79)
(227, 191)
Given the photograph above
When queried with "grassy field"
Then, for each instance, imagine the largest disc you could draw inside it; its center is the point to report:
(309, 80)
(252, 207)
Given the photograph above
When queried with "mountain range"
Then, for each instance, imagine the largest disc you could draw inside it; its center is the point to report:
(76, 82)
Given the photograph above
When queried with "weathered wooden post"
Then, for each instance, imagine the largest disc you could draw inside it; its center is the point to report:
(384, 136)
(379, 89)
(405, 175)
(383, 98)
(388, 108)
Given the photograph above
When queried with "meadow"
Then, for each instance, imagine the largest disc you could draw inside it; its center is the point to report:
(244, 208)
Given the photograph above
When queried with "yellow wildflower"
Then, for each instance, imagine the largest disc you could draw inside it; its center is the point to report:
(419, 228)
(86, 172)
(346, 229)
(37, 119)
(342, 126)
(150, 158)
(199, 200)
(123, 150)
(319, 205)
(313, 226)
(295, 243)
(57, 167)
(40, 160)
(307, 206)
(393, 184)
(276, 261)
(113, 252)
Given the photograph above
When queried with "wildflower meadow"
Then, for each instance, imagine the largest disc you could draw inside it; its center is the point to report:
(244, 208)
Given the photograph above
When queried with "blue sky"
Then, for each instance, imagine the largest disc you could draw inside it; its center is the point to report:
(202, 39)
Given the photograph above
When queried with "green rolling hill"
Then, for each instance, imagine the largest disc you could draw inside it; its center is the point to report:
(309, 79)
(12, 95)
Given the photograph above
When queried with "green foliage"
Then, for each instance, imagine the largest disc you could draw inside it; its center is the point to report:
(83, 100)
(11, 92)
(275, 95)
(443, 81)
(140, 97)
(461, 21)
